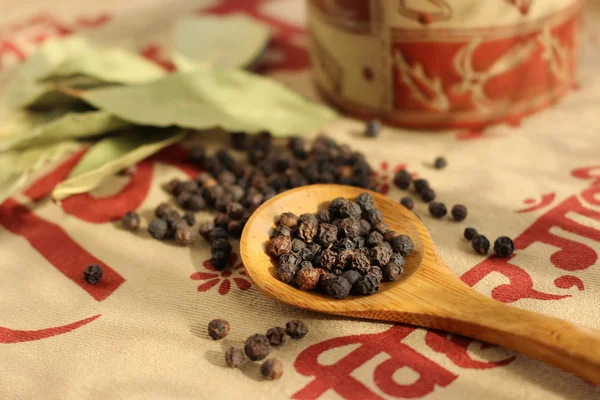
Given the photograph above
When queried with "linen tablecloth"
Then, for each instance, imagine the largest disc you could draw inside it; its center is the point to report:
(141, 333)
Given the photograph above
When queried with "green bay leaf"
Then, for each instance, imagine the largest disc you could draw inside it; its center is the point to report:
(111, 155)
(68, 126)
(224, 41)
(16, 167)
(234, 100)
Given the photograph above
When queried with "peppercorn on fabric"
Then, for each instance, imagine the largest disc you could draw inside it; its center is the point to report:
(142, 331)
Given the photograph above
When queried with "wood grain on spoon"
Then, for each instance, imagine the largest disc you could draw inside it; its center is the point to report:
(427, 294)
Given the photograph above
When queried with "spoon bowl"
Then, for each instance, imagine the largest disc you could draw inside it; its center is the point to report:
(427, 293)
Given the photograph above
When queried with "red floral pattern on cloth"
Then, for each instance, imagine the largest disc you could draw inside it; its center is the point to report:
(235, 272)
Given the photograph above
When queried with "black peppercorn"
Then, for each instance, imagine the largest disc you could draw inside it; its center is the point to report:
(365, 201)
(427, 194)
(288, 219)
(280, 245)
(360, 261)
(481, 244)
(391, 271)
(407, 202)
(131, 221)
(324, 216)
(344, 259)
(328, 259)
(287, 271)
(239, 140)
(350, 210)
(218, 328)
(235, 210)
(351, 276)
(374, 216)
(217, 233)
(397, 259)
(282, 230)
(338, 288)
(307, 278)
(257, 347)
(420, 184)
(308, 230)
(470, 233)
(185, 235)
(222, 220)
(350, 227)
(162, 208)
(276, 336)
(296, 329)
(327, 234)
(235, 229)
(334, 207)
(389, 235)
(158, 229)
(403, 244)
(205, 229)
(402, 179)
(372, 128)
(93, 274)
(219, 259)
(440, 163)
(190, 218)
(183, 198)
(381, 253)
(375, 270)
(374, 239)
(365, 227)
(366, 285)
(197, 154)
(297, 245)
(344, 244)
(203, 177)
(437, 210)
(194, 203)
(173, 186)
(459, 212)
(234, 357)
(380, 227)
(271, 369)
(504, 246)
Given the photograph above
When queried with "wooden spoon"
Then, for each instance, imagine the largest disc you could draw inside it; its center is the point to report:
(427, 294)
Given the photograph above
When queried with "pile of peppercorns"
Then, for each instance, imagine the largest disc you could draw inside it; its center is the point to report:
(341, 249)
(258, 346)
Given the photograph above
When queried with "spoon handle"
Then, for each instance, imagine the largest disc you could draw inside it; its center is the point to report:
(573, 348)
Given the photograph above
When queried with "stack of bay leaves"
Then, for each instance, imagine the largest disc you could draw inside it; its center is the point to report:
(71, 94)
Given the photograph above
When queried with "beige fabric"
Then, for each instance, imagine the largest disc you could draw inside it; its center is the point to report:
(142, 333)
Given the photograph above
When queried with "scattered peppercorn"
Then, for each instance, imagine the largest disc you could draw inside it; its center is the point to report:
(205, 229)
(470, 233)
(158, 229)
(272, 369)
(504, 246)
(440, 163)
(190, 218)
(217, 233)
(276, 335)
(185, 235)
(420, 184)
(437, 210)
(234, 357)
(93, 274)
(257, 347)
(373, 127)
(235, 228)
(402, 179)
(481, 244)
(131, 221)
(407, 202)
(218, 328)
(296, 329)
(459, 212)
(427, 194)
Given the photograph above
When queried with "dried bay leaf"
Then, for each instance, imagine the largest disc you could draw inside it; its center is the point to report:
(106, 65)
(68, 126)
(225, 41)
(16, 166)
(234, 100)
(111, 155)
